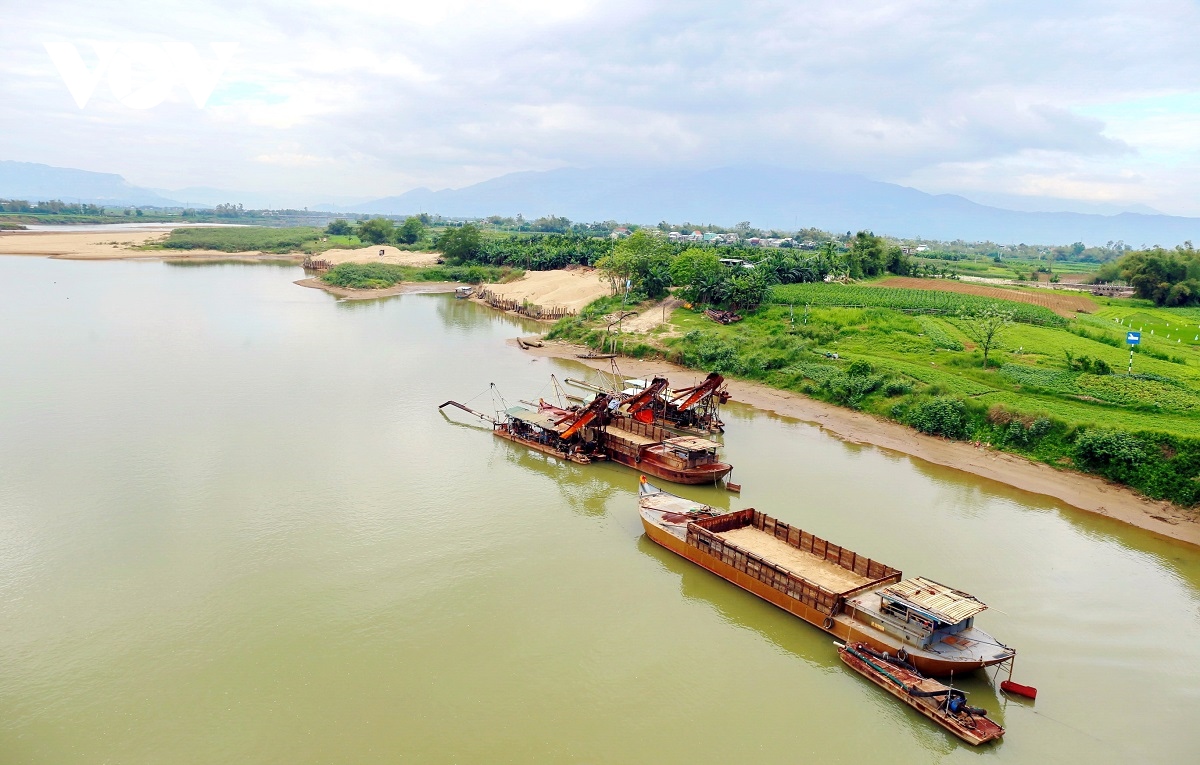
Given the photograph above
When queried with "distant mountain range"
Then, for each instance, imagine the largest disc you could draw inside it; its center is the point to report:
(767, 197)
(782, 199)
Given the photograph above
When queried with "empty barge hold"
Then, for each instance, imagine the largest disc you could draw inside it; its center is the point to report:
(846, 594)
(943, 704)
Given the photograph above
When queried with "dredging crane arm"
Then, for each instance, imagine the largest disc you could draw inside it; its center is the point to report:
(702, 391)
(469, 410)
(647, 396)
(593, 410)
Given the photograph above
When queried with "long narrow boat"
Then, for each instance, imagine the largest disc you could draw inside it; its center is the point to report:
(943, 704)
(846, 594)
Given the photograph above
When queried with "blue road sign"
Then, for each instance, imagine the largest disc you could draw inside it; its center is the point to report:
(1133, 338)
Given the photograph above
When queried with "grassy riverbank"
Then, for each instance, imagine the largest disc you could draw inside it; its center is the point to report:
(367, 276)
(1049, 392)
(253, 238)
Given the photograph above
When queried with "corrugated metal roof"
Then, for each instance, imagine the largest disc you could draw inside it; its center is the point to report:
(947, 604)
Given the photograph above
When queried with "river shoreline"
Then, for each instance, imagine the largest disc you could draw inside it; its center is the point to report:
(1080, 491)
(404, 288)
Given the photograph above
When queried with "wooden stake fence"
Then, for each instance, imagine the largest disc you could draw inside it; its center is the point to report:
(522, 308)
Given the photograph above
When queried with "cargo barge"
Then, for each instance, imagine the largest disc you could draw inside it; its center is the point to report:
(848, 595)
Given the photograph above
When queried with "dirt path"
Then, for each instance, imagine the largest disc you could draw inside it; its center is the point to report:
(1075, 489)
(652, 317)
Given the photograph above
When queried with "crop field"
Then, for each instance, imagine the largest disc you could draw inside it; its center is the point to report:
(1060, 302)
(919, 300)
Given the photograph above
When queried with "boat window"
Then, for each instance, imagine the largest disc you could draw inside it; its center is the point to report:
(895, 609)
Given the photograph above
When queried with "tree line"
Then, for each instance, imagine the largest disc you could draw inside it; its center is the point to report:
(1168, 277)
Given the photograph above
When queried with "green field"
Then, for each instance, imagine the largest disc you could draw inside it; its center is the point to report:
(818, 294)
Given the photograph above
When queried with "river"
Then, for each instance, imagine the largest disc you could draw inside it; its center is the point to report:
(234, 527)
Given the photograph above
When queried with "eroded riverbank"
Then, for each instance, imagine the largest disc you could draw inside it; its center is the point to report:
(1078, 490)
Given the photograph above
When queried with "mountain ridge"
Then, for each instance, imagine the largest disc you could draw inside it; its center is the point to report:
(767, 197)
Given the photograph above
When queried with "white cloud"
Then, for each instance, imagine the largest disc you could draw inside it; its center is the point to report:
(1023, 97)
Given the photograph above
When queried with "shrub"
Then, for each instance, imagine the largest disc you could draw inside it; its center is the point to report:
(942, 416)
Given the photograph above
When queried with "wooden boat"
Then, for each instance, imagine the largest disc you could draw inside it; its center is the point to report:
(653, 449)
(464, 291)
(943, 704)
(846, 594)
(625, 438)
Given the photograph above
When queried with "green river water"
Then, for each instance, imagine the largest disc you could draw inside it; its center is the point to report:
(234, 528)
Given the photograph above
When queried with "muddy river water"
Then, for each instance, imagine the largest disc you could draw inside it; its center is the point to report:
(234, 527)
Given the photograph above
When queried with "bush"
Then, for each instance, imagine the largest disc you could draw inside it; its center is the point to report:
(942, 416)
(1111, 453)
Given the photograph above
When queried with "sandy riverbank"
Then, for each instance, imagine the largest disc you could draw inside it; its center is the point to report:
(572, 289)
(120, 244)
(1075, 489)
(114, 245)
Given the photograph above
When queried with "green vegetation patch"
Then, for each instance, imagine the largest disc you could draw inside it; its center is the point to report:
(373, 276)
(930, 301)
(241, 239)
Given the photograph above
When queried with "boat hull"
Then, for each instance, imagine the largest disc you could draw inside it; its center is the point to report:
(703, 474)
(543, 448)
(841, 626)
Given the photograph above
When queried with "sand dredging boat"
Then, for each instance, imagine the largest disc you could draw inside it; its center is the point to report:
(922, 623)
(601, 430)
(692, 410)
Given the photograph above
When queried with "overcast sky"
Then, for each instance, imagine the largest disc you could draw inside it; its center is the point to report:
(1096, 101)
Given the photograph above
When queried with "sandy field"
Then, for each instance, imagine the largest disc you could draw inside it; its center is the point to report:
(1075, 489)
(78, 245)
(572, 289)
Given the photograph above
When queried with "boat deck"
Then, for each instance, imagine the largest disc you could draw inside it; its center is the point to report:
(634, 438)
(804, 564)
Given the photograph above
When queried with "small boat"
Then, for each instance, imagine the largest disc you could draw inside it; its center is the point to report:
(595, 355)
(846, 594)
(941, 703)
(464, 291)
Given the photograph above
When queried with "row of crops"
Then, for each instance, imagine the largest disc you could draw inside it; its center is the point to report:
(1150, 391)
(900, 299)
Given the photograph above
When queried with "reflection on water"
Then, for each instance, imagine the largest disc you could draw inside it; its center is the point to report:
(234, 527)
